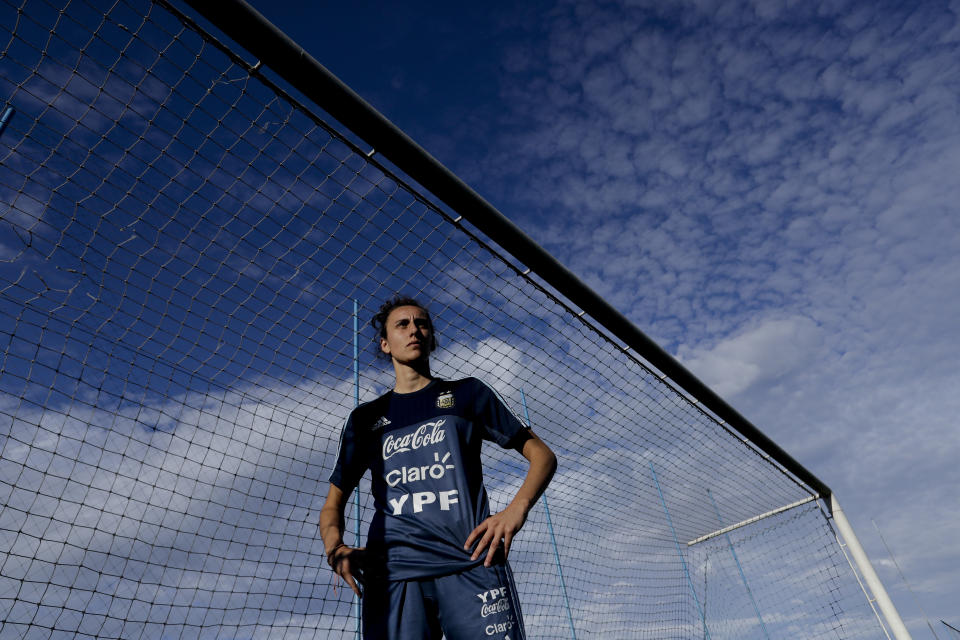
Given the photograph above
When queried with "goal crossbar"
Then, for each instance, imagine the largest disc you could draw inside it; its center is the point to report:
(246, 26)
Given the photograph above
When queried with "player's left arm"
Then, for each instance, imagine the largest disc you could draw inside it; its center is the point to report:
(503, 526)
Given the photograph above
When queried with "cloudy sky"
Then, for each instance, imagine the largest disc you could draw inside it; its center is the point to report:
(768, 189)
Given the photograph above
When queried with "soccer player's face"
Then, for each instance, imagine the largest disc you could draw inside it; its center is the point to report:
(408, 334)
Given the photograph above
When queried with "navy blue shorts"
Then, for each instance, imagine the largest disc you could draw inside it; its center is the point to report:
(478, 604)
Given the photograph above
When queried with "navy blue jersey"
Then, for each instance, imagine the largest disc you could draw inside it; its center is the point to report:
(423, 452)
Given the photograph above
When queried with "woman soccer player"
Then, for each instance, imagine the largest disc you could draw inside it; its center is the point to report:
(436, 560)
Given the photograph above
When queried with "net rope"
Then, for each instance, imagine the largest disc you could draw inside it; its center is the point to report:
(181, 245)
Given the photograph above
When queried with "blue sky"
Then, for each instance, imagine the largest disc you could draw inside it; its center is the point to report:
(767, 189)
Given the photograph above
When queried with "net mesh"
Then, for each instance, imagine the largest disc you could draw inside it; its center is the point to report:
(181, 246)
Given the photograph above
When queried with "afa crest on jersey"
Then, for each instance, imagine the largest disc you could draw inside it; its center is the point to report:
(445, 400)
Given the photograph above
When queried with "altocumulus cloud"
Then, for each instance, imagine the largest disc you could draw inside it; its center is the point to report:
(770, 191)
(774, 349)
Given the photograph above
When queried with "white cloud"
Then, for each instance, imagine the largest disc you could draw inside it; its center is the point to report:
(761, 354)
(787, 225)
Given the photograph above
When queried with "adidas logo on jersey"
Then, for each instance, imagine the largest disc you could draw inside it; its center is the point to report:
(380, 424)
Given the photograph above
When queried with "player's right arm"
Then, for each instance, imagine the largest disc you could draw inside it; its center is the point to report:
(344, 560)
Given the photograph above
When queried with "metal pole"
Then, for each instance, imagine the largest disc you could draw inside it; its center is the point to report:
(273, 48)
(356, 403)
(739, 568)
(743, 523)
(889, 611)
(556, 553)
(676, 541)
(5, 118)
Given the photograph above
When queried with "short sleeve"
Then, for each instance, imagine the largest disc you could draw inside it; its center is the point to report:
(351, 463)
(500, 424)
